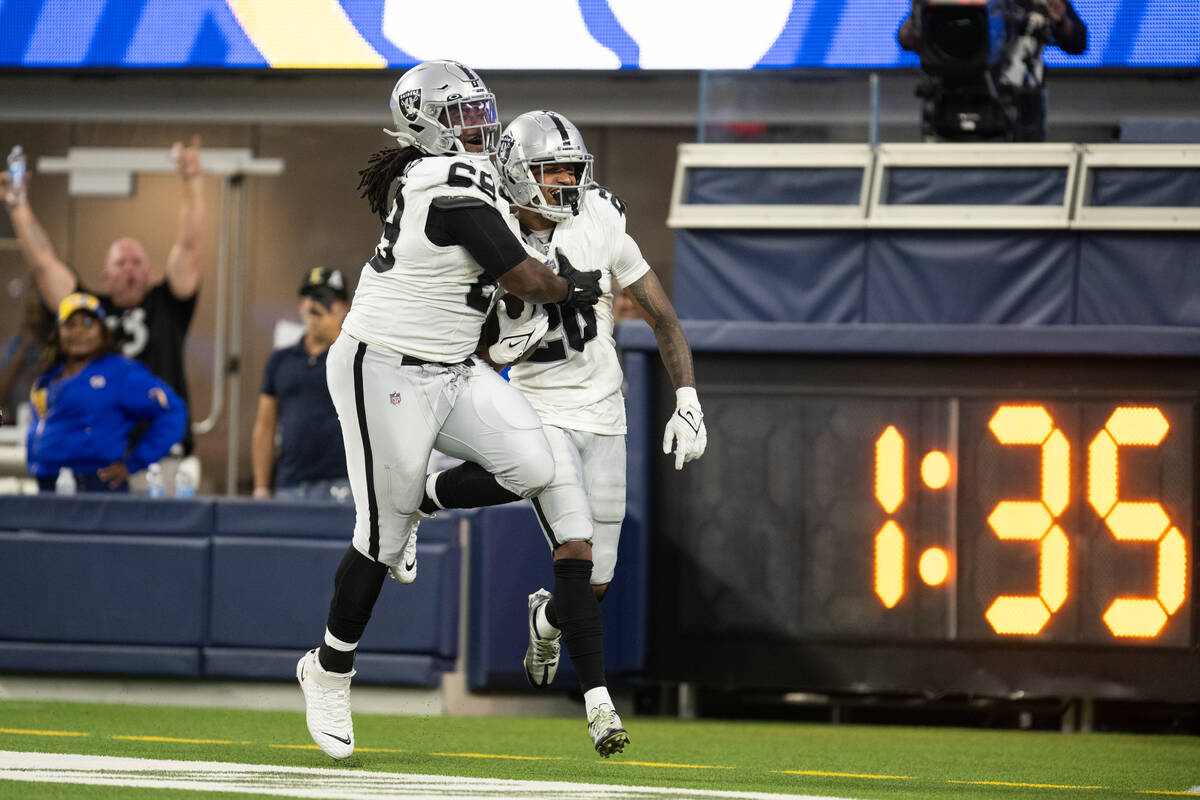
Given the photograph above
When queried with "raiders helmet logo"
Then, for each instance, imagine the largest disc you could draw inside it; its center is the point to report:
(505, 148)
(409, 102)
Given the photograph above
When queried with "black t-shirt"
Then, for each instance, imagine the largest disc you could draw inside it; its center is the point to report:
(310, 436)
(153, 332)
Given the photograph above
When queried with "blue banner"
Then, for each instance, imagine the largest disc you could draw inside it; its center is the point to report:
(546, 34)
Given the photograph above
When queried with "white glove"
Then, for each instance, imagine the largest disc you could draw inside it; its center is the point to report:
(520, 326)
(685, 429)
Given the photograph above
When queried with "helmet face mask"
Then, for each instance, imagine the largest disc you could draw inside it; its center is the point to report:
(444, 108)
(532, 144)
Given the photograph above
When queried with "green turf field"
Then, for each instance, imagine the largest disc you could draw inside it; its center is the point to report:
(840, 761)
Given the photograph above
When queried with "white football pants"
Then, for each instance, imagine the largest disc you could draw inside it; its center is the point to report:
(393, 415)
(586, 499)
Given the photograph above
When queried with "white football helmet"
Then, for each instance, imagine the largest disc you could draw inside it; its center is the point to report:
(440, 106)
(531, 141)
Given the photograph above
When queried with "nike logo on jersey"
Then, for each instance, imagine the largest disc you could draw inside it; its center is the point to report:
(342, 739)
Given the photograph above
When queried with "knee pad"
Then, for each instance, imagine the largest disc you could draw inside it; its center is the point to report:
(533, 474)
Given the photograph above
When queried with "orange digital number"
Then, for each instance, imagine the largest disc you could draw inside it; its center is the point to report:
(889, 542)
(1034, 520)
(1137, 522)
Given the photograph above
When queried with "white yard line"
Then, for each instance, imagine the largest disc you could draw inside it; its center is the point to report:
(334, 784)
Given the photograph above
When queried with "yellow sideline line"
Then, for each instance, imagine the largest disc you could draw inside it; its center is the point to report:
(173, 739)
(1027, 785)
(42, 733)
(294, 746)
(664, 764)
(843, 774)
(490, 755)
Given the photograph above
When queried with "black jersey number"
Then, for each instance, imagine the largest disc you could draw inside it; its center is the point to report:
(479, 296)
(617, 202)
(579, 328)
(384, 259)
(463, 174)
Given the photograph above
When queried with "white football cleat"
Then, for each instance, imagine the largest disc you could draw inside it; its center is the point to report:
(608, 735)
(406, 570)
(541, 657)
(327, 700)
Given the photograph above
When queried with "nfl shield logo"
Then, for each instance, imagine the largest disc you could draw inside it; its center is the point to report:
(395, 398)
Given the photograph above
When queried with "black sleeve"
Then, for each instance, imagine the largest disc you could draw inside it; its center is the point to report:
(478, 227)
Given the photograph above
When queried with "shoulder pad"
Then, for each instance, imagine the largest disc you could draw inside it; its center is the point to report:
(455, 203)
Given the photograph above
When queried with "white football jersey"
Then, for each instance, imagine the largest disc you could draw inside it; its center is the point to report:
(574, 377)
(415, 297)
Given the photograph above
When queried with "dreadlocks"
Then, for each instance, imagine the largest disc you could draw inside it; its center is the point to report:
(382, 169)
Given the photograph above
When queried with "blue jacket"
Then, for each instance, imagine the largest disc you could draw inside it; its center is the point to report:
(84, 422)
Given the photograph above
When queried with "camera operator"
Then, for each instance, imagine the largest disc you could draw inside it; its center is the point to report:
(1013, 87)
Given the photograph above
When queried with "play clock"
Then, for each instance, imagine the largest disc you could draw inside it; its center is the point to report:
(943, 524)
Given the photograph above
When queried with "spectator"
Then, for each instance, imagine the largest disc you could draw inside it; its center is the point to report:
(153, 318)
(89, 401)
(18, 363)
(294, 400)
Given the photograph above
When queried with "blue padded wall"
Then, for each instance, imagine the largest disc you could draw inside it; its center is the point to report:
(289, 610)
(102, 589)
(906, 276)
(207, 587)
(769, 275)
(1139, 279)
(1022, 278)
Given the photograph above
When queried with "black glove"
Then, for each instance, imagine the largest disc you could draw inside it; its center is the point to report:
(583, 288)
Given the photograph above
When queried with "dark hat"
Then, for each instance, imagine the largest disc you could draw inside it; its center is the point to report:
(324, 284)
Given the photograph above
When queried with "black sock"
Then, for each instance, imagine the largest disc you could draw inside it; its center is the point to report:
(575, 610)
(467, 486)
(356, 587)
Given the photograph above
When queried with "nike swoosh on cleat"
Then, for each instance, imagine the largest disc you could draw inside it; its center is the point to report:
(343, 740)
(410, 567)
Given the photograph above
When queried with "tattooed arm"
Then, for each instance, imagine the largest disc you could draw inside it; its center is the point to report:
(673, 347)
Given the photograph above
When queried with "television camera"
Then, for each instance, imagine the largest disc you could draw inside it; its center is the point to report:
(983, 68)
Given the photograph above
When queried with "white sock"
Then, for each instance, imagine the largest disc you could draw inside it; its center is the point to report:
(430, 483)
(594, 698)
(541, 624)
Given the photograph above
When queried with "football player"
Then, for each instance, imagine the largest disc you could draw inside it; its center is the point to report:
(402, 375)
(573, 378)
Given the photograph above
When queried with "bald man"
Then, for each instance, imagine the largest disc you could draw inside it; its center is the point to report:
(151, 317)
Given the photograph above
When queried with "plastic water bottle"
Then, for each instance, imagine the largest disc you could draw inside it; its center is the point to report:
(154, 480)
(16, 164)
(185, 484)
(65, 482)
(16, 169)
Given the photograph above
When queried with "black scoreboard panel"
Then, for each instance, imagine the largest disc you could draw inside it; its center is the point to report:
(945, 524)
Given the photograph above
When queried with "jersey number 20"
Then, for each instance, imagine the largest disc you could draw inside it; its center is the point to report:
(579, 328)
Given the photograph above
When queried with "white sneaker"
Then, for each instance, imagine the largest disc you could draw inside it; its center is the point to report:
(406, 570)
(608, 735)
(327, 699)
(541, 657)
